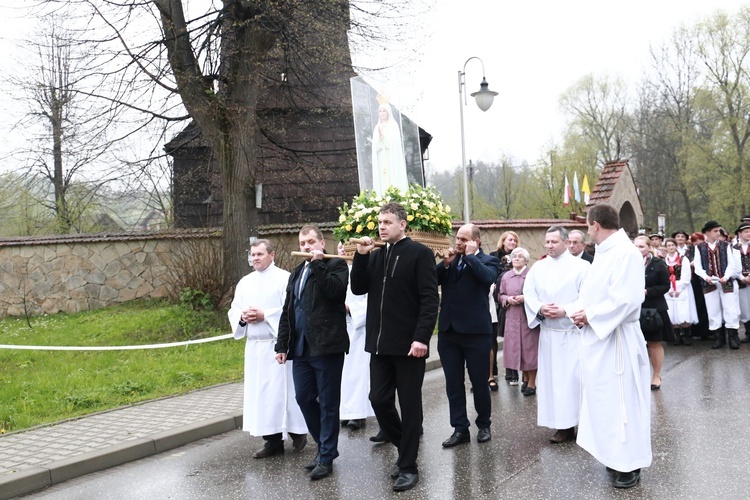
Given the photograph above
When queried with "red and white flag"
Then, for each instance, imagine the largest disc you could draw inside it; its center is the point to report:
(566, 192)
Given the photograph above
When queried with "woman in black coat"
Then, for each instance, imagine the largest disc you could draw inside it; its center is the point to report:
(657, 284)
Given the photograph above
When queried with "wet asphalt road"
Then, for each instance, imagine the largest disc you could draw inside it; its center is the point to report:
(700, 437)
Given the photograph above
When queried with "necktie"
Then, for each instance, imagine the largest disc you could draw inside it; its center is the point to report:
(460, 263)
(303, 279)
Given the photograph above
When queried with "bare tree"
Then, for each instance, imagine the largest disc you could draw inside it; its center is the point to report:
(222, 62)
(598, 107)
(68, 133)
(723, 46)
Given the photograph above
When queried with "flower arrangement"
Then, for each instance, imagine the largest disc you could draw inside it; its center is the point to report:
(425, 211)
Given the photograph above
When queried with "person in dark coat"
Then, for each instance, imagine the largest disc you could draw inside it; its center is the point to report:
(465, 331)
(577, 245)
(402, 306)
(657, 284)
(312, 332)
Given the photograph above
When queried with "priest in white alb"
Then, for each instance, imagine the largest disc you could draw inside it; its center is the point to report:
(355, 379)
(551, 282)
(615, 424)
(270, 409)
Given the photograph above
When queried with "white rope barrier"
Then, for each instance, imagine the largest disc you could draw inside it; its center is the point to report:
(113, 348)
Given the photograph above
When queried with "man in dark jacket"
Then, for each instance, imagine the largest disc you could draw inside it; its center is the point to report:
(465, 331)
(312, 332)
(402, 306)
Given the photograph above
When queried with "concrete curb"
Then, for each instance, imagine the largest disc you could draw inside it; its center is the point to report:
(30, 480)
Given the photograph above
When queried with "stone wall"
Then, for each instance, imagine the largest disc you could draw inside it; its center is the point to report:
(46, 275)
(72, 273)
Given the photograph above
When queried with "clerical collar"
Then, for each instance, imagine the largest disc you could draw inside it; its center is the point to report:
(272, 264)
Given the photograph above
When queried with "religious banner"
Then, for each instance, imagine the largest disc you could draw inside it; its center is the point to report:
(388, 149)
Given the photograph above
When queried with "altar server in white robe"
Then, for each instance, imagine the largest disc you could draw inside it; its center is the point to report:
(551, 282)
(270, 409)
(355, 379)
(615, 424)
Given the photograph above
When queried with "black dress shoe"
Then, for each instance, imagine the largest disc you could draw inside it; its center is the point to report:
(395, 471)
(355, 425)
(311, 465)
(406, 481)
(270, 449)
(484, 435)
(380, 437)
(456, 439)
(627, 479)
(299, 441)
(530, 391)
(320, 471)
(563, 435)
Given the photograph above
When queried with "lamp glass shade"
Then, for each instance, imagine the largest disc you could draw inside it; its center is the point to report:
(484, 96)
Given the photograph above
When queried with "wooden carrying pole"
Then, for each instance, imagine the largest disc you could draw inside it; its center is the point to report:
(325, 255)
(362, 242)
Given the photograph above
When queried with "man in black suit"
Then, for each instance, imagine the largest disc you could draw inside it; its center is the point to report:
(402, 304)
(312, 332)
(577, 245)
(465, 331)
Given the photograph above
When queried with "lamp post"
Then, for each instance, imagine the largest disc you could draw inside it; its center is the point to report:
(661, 223)
(484, 97)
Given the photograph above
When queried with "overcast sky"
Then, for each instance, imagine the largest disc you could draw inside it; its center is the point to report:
(532, 52)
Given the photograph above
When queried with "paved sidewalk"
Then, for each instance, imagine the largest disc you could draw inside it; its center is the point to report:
(35, 459)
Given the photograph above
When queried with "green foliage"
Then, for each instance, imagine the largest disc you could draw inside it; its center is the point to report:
(196, 300)
(38, 387)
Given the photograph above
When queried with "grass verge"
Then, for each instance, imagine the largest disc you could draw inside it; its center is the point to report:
(38, 387)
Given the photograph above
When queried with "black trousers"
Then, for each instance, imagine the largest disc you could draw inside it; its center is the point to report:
(317, 387)
(460, 352)
(404, 374)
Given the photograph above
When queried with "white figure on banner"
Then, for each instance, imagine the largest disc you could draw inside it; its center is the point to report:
(388, 162)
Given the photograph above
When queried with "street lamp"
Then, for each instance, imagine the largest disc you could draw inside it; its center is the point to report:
(484, 97)
(661, 223)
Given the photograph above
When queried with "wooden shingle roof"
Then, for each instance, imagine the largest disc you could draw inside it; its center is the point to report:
(607, 180)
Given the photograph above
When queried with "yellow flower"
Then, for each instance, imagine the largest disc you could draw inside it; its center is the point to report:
(348, 227)
(359, 228)
(409, 217)
(370, 225)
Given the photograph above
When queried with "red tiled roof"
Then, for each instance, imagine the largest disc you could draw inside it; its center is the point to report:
(524, 223)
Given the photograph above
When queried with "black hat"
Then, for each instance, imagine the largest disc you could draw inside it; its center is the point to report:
(709, 226)
(746, 218)
(742, 226)
(655, 235)
(680, 232)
